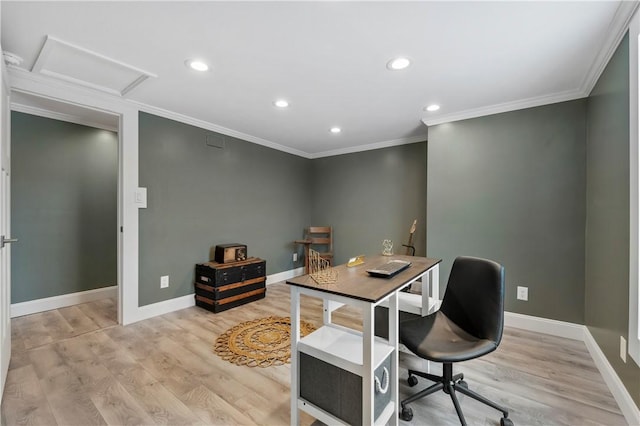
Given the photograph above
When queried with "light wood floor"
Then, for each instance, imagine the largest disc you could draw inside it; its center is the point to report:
(75, 366)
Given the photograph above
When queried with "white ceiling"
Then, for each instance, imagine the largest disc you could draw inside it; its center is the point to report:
(328, 59)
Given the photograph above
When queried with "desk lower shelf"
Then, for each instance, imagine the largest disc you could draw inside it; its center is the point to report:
(412, 303)
(331, 376)
(342, 347)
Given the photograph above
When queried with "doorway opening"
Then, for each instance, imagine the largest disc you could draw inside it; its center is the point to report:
(65, 204)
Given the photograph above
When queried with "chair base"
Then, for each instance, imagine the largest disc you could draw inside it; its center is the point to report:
(449, 383)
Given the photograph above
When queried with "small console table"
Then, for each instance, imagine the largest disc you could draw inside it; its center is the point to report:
(351, 376)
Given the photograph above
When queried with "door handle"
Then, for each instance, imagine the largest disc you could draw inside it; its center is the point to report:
(4, 241)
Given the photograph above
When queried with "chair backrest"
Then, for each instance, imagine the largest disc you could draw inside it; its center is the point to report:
(321, 235)
(474, 298)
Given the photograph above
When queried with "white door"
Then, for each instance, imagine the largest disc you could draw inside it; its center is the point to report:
(5, 230)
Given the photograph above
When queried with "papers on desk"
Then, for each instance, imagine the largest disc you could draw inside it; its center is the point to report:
(355, 261)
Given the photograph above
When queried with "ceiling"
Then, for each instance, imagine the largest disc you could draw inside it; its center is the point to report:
(328, 59)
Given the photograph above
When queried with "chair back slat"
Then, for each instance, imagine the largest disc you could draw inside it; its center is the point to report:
(320, 240)
(319, 230)
(321, 236)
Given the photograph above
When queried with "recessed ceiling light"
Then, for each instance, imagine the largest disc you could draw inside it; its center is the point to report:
(335, 130)
(196, 64)
(398, 63)
(281, 103)
(432, 108)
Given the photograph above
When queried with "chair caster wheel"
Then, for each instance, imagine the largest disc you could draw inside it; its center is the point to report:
(406, 414)
(463, 384)
(506, 422)
(412, 380)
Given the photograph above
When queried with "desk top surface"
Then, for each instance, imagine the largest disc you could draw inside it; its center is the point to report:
(356, 283)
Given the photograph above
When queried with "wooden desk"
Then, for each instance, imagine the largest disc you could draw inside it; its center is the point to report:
(335, 345)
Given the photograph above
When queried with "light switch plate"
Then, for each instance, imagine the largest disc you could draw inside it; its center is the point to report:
(141, 198)
(523, 293)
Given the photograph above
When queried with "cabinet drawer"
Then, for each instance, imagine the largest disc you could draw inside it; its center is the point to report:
(219, 274)
(229, 302)
(229, 290)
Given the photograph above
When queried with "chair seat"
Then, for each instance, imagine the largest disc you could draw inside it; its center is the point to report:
(437, 338)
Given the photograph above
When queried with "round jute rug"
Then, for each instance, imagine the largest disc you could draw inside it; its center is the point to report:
(259, 343)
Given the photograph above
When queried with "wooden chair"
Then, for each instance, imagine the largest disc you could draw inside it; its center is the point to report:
(319, 238)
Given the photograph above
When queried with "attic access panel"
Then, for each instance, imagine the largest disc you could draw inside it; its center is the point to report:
(78, 65)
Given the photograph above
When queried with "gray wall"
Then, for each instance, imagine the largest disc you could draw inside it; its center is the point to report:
(200, 196)
(347, 191)
(607, 241)
(63, 207)
(511, 187)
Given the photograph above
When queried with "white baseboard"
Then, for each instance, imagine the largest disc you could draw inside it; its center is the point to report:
(284, 275)
(182, 302)
(62, 301)
(628, 407)
(564, 329)
(527, 322)
(164, 307)
(573, 331)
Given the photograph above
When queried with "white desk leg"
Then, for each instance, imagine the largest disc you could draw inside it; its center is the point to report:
(295, 338)
(430, 288)
(328, 306)
(393, 341)
(326, 311)
(367, 365)
(435, 282)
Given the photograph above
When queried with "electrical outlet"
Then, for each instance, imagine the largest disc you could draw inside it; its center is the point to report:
(164, 281)
(295, 257)
(623, 349)
(523, 293)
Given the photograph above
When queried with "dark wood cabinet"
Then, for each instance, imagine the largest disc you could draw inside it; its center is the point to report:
(222, 286)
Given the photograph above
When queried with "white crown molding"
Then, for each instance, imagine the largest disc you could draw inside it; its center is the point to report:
(250, 138)
(616, 31)
(216, 128)
(62, 301)
(26, 78)
(369, 147)
(506, 107)
(46, 113)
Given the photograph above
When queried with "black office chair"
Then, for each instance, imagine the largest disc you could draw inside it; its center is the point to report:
(467, 326)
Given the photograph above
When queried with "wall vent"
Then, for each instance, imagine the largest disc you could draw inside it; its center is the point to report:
(216, 140)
